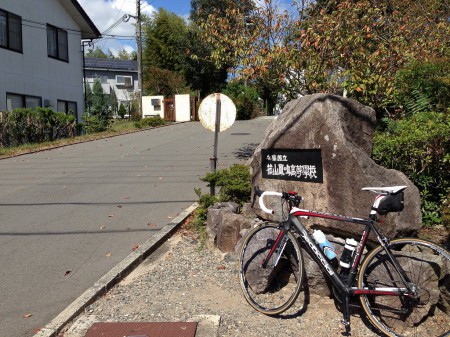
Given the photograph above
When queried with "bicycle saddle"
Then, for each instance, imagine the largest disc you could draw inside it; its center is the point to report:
(385, 190)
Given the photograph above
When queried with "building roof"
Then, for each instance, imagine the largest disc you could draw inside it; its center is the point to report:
(110, 64)
(88, 29)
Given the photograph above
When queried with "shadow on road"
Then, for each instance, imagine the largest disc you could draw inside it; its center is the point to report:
(245, 151)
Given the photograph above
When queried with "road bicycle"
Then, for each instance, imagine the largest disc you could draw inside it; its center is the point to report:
(403, 284)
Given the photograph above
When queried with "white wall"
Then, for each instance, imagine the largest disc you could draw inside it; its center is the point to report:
(149, 110)
(182, 108)
(32, 72)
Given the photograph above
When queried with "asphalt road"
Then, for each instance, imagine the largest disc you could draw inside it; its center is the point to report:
(68, 215)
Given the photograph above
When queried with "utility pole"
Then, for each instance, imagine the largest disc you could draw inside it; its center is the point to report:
(139, 52)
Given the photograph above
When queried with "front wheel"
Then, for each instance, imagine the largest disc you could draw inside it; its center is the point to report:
(423, 310)
(274, 288)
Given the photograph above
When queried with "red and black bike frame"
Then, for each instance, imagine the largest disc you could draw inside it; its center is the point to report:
(346, 289)
(369, 226)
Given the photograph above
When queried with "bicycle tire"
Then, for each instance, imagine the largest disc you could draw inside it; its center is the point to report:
(427, 266)
(274, 289)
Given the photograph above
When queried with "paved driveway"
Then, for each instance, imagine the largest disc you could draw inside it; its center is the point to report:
(68, 215)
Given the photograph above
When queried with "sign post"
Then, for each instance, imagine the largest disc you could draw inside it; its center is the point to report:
(213, 160)
(217, 113)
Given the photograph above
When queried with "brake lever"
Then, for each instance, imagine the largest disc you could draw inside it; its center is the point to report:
(257, 192)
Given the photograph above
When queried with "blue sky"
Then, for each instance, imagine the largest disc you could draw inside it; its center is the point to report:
(180, 7)
(104, 13)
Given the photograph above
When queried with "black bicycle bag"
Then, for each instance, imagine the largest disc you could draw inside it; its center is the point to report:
(391, 203)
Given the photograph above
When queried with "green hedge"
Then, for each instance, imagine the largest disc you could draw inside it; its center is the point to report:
(419, 146)
(24, 126)
(149, 122)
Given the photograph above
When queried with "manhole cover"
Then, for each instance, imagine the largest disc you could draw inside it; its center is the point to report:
(142, 329)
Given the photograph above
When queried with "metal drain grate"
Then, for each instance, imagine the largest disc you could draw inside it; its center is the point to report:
(142, 329)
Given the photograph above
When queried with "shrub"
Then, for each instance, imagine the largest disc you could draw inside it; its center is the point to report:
(94, 123)
(149, 122)
(423, 86)
(235, 185)
(419, 146)
(122, 111)
(22, 126)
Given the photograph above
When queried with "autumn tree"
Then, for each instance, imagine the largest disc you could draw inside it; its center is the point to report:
(253, 43)
(165, 82)
(356, 46)
(361, 45)
(205, 75)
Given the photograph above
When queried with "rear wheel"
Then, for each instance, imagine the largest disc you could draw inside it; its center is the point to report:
(425, 312)
(273, 289)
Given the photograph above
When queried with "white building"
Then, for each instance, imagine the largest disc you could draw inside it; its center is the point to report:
(41, 55)
(120, 76)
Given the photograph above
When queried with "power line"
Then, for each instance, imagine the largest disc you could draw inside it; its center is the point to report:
(43, 26)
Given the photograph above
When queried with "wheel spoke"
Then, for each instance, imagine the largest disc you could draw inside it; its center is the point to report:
(424, 311)
(272, 289)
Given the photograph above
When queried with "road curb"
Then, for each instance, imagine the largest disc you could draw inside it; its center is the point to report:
(111, 278)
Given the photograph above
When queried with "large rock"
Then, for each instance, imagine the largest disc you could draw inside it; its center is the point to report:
(224, 226)
(343, 129)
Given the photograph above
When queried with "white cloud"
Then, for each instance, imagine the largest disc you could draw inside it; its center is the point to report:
(105, 13)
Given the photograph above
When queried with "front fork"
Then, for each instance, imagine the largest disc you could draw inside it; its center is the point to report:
(278, 246)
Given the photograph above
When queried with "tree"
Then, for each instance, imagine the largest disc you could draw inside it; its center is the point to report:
(361, 45)
(100, 101)
(213, 74)
(202, 9)
(164, 82)
(351, 45)
(245, 98)
(97, 117)
(96, 52)
(200, 71)
(122, 111)
(124, 55)
(164, 54)
(252, 40)
(113, 103)
(176, 59)
(165, 36)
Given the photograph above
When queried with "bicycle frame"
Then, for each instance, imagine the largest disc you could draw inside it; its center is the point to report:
(345, 289)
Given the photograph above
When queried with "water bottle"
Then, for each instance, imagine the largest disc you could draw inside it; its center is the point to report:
(346, 257)
(326, 246)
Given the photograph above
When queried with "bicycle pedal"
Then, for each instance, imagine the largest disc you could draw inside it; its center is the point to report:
(345, 323)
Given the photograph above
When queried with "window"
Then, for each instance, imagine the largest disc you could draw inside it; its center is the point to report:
(57, 43)
(10, 31)
(14, 101)
(126, 81)
(67, 107)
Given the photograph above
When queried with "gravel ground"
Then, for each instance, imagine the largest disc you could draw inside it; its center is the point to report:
(180, 281)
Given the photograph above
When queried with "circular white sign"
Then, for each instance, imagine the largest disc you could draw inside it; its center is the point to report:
(207, 112)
